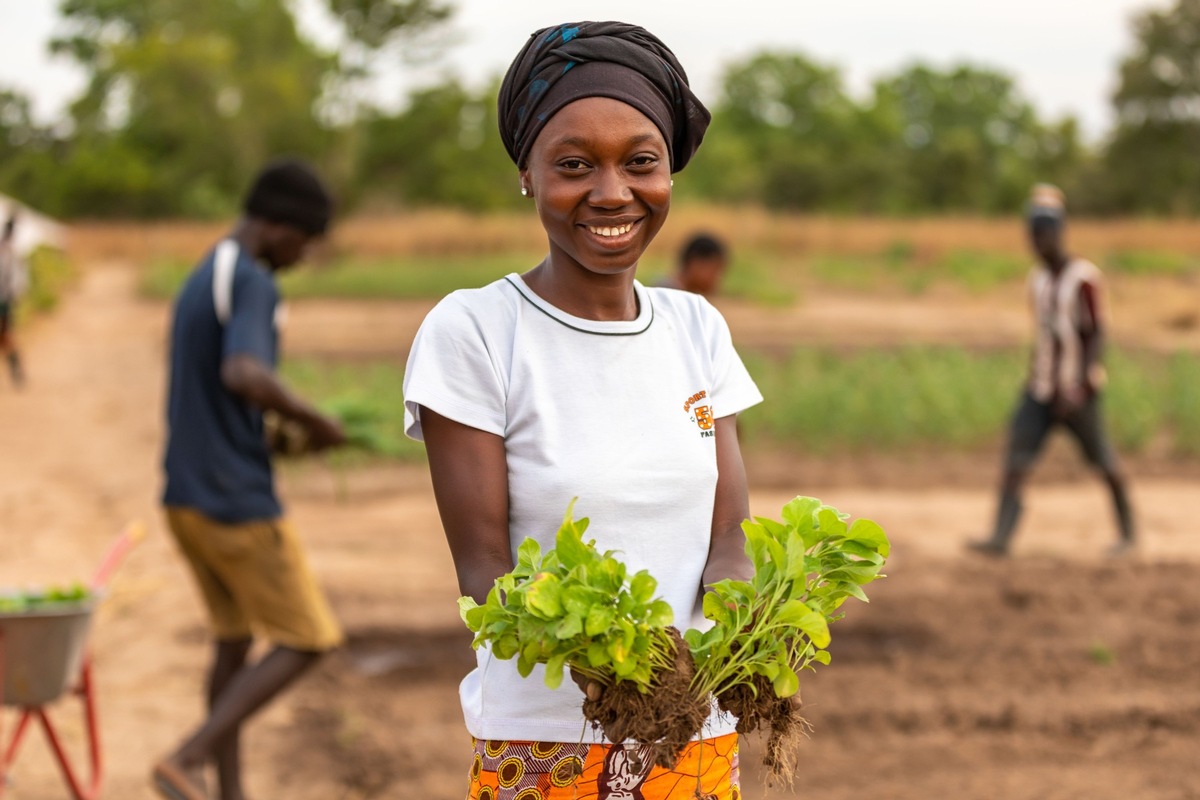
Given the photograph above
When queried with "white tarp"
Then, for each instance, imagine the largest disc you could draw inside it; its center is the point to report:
(33, 229)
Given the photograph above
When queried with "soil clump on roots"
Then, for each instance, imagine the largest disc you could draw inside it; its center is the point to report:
(667, 717)
(757, 707)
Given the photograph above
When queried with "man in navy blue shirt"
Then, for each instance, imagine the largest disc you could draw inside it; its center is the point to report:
(220, 495)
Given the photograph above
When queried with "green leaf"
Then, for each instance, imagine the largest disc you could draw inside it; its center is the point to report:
(529, 554)
(543, 596)
(796, 614)
(785, 683)
(661, 615)
(525, 665)
(570, 626)
(776, 530)
(856, 572)
(506, 647)
(821, 657)
(465, 606)
(554, 671)
(831, 523)
(597, 654)
(619, 651)
(796, 557)
(798, 512)
(869, 533)
(642, 587)
(716, 610)
(599, 618)
(570, 547)
(577, 599)
(756, 542)
(862, 550)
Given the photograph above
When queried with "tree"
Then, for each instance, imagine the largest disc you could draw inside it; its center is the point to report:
(443, 149)
(786, 133)
(969, 141)
(185, 100)
(1153, 159)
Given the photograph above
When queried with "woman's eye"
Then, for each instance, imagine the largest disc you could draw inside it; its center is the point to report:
(573, 164)
(643, 161)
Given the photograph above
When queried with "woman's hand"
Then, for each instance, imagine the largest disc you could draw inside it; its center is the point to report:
(588, 686)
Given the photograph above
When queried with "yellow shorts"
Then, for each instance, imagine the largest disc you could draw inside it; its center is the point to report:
(255, 579)
(546, 771)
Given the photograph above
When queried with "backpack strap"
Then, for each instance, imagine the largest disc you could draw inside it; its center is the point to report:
(224, 262)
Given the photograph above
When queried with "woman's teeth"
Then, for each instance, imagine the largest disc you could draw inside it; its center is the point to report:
(617, 231)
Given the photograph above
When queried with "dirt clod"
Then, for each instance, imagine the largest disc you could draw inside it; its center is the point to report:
(758, 708)
(667, 717)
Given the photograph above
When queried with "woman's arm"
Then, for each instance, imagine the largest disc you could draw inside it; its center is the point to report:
(726, 551)
(470, 481)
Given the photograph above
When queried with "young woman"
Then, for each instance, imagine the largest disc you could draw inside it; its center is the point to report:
(575, 380)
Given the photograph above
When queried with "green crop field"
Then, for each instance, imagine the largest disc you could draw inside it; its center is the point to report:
(821, 401)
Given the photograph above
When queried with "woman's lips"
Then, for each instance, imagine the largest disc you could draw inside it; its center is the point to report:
(612, 235)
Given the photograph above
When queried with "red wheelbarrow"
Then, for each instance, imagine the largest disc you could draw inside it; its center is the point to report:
(43, 656)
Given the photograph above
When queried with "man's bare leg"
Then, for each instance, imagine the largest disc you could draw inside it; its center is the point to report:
(248, 690)
(229, 661)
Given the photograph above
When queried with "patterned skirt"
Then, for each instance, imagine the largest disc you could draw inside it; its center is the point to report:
(560, 771)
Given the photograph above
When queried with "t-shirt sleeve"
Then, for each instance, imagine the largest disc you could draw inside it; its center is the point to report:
(251, 326)
(453, 371)
(733, 389)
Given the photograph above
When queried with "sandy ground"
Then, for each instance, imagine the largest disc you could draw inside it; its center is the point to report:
(1053, 675)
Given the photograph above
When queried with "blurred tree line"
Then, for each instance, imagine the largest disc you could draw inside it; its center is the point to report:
(185, 100)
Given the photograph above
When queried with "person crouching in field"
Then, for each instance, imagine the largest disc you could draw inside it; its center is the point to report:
(702, 265)
(220, 498)
(1066, 375)
(14, 279)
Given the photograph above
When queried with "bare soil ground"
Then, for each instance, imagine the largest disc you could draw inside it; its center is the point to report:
(1054, 675)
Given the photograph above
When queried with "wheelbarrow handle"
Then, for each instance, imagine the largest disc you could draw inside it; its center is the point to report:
(134, 532)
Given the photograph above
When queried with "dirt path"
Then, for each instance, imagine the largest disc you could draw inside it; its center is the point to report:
(962, 679)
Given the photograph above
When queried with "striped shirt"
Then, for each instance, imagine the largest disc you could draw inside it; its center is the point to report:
(1068, 309)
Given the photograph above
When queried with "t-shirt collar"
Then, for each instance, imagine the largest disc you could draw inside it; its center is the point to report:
(602, 327)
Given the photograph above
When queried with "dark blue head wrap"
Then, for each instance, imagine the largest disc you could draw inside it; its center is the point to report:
(565, 63)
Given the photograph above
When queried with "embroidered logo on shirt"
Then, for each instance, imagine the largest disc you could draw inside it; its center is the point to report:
(702, 415)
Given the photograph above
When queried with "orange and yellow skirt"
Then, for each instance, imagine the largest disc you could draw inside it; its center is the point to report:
(552, 771)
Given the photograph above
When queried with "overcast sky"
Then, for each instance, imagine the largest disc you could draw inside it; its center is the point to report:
(1064, 53)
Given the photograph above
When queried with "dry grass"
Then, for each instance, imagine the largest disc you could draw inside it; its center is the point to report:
(454, 233)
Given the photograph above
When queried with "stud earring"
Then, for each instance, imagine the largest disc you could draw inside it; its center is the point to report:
(524, 192)
(672, 181)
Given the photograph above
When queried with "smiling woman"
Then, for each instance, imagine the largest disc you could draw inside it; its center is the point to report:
(574, 379)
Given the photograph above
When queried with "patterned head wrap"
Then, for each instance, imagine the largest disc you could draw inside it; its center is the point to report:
(624, 62)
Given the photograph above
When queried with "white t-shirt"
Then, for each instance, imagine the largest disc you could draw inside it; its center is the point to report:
(618, 414)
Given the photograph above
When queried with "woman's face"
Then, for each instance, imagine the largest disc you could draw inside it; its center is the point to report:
(600, 174)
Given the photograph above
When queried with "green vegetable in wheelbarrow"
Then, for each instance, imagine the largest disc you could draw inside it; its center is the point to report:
(22, 602)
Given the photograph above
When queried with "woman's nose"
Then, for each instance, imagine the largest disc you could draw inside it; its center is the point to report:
(610, 190)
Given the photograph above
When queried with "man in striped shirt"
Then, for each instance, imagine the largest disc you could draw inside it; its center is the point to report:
(1066, 373)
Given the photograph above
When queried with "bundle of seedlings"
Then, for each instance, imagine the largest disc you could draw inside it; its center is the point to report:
(769, 629)
(363, 421)
(578, 609)
(575, 608)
